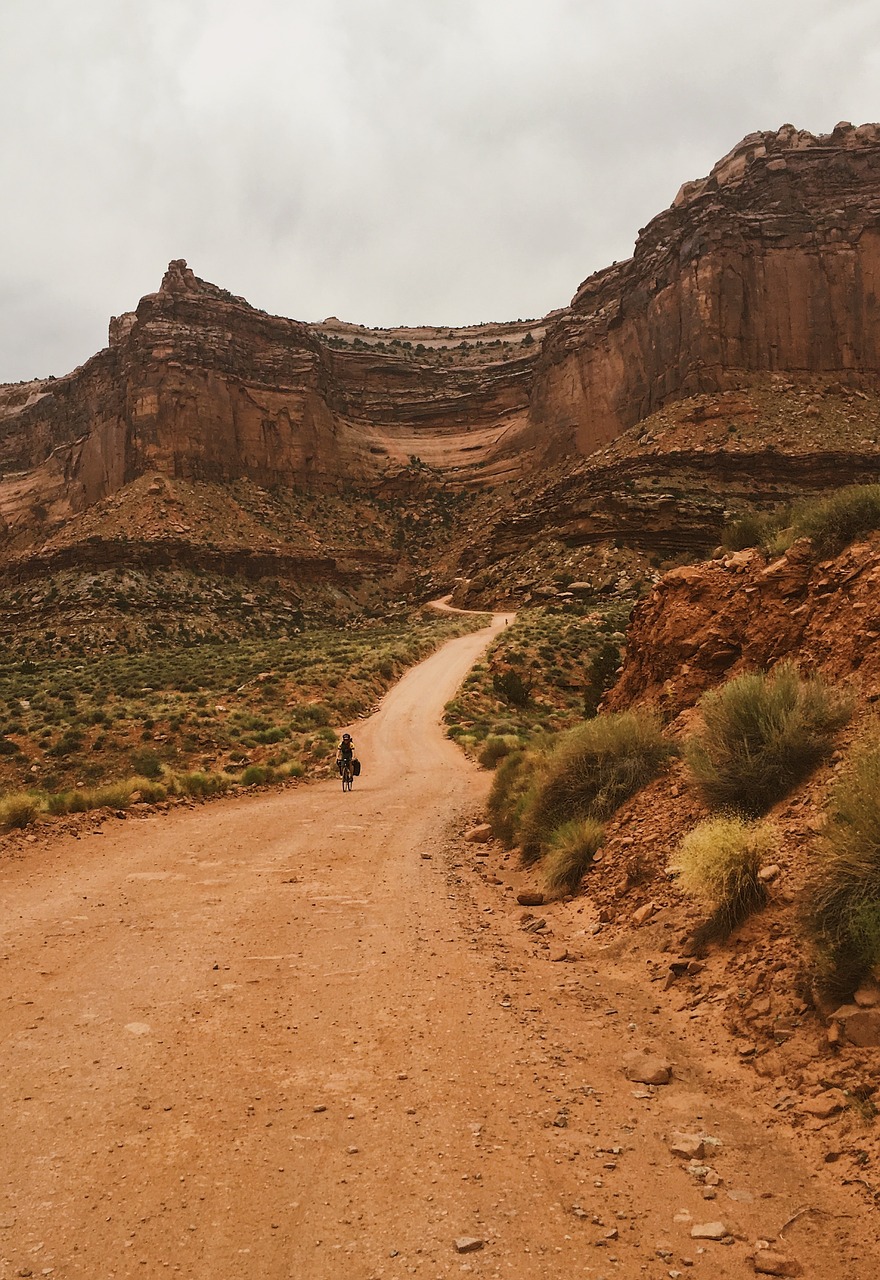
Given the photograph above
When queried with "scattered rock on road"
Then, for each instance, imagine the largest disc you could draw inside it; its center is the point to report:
(468, 1244)
(709, 1231)
(770, 1262)
(647, 1068)
(530, 898)
(479, 834)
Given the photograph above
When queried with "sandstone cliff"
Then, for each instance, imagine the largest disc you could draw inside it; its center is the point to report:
(771, 263)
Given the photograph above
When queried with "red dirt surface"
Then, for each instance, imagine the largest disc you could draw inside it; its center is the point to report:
(299, 1034)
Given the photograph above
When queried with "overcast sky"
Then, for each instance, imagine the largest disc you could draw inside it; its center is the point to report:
(385, 161)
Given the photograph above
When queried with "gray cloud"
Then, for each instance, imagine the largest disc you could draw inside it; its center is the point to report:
(387, 161)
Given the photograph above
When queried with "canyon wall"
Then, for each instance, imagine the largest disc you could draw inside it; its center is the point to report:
(771, 263)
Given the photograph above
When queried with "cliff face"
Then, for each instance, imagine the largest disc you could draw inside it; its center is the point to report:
(707, 622)
(771, 263)
(198, 385)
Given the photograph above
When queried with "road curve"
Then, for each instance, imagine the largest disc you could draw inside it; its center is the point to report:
(292, 1036)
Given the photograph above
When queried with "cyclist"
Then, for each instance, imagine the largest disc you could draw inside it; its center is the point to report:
(345, 751)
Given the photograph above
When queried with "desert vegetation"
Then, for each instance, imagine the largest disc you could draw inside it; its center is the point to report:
(762, 734)
(551, 800)
(194, 718)
(842, 903)
(830, 522)
(545, 673)
(718, 863)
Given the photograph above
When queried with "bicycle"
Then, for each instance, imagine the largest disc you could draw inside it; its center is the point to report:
(347, 775)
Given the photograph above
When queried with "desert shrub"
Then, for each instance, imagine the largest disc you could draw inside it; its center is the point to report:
(198, 783)
(591, 771)
(601, 674)
(840, 518)
(18, 810)
(145, 762)
(570, 852)
(510, 686)
(255, 775)
(762, 734)
(507, 795)
(7, 748)
(496, 747)
(842, 901)
(718, 862)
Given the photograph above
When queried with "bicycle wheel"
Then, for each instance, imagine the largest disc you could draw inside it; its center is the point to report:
(346, 777)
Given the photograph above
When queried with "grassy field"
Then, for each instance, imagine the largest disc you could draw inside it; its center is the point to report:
(69, 721)
(545, 673)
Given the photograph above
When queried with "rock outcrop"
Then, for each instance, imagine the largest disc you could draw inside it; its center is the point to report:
(771, 263)
(706, 622)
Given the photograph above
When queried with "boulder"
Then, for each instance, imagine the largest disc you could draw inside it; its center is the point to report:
(643, 1067)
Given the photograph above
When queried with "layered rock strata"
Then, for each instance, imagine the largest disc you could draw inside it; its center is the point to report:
(772, 262)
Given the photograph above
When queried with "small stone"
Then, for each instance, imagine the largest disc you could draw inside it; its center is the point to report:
(468, 1244)
(643, 914)
(319, 1108)
(558, 954)
(689, 1145)
(479, 834)
(769, 1262)
(530, 898)
(825, 1105)
(708, 1231)
(647, 1068)
(766, 874)
(867, 996)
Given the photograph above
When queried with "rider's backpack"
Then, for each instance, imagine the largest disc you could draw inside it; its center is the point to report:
(356, 768)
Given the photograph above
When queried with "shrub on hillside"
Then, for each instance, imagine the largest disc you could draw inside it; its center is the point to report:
(18, 810)
(145, 762)
(570, 852)
(839, 519)
(842, 903)
(591, 771)
(509, 787)
(510, 686)
(496, 747)
(718, 862)
(762, 734)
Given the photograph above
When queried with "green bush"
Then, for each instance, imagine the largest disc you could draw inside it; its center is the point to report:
(718, 862)
(591, 771)
(840, 518)
(510, 786)
(842, 901)
(18, 810)
(762, 734)
(254, 775)
(496, 747)
(145, 761)
(510, 686)
(570, 852)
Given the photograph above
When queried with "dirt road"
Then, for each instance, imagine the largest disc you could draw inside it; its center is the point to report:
(299, 1034)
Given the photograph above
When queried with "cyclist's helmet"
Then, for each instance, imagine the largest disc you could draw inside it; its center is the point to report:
(346, 735)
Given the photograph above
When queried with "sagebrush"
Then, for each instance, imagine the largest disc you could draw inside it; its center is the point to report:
(762, 734)
(842, 902)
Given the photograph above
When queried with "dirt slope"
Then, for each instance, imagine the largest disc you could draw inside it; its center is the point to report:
(298, 1035)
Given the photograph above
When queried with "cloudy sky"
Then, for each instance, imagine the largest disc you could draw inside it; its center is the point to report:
(385, 161)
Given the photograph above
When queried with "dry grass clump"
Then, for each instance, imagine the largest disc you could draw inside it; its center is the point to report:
(718, 863)
(591, 771)
(570, 852)
(842, 901)
(831, 523)
(763, 733)
(18, 810)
